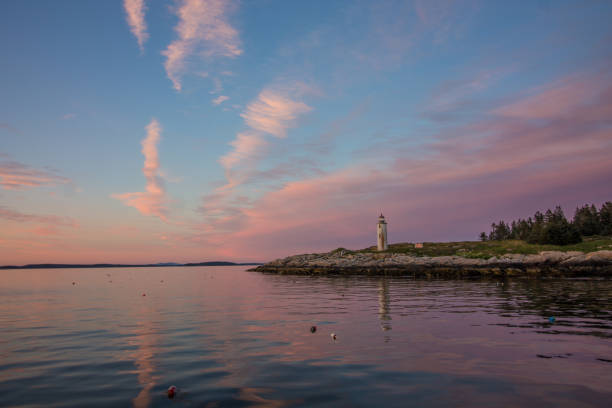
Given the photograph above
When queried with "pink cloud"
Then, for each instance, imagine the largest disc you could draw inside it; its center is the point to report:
(273, 112)
(246, 146)
(135, 13)
(203, 28)
(554, 100)
(220, 99)
(453, 188)
(49, 220)
(153, 201)
(15, 175)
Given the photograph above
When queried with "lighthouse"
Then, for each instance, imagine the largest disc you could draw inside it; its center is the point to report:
(381, 228)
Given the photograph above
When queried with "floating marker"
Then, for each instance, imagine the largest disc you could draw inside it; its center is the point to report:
(144, 294)
(171, 391)
(333, 336)
(313, 329)
(551, 319)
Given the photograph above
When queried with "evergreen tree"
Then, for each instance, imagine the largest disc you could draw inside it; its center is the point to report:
(537, 229)
(586, 219)
(523, 228)
(557, 230)
(499, 232)
(605, 218)
(552, 227)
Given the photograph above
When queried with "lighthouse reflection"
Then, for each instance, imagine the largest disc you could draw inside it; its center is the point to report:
(384, 300)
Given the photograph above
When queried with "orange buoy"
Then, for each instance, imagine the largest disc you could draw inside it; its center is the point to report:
(171, 391)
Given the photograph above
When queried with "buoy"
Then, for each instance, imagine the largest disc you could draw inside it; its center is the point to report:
(171, 391)
(333, 336)
(551, 319)
(74, 283)
(144, 294)
(313, 329)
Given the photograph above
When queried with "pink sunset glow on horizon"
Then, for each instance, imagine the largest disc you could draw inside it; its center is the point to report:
(211, 131)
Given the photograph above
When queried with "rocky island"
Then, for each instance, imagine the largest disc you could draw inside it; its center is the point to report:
(452, 260)
(547, 245)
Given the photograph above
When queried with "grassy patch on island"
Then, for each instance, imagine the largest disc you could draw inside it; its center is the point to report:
(488, 249)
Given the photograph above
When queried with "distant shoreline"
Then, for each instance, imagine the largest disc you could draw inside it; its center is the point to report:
(91, 266)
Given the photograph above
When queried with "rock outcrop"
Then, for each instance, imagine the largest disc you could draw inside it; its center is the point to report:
(546, 263)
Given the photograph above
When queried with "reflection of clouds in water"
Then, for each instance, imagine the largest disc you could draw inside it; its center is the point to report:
(146, 340)
(243, 339)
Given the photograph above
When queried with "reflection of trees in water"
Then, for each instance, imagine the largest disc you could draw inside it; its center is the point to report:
(588, 300)
(572, 298)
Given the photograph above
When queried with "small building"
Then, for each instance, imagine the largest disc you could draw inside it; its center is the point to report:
(381, 228)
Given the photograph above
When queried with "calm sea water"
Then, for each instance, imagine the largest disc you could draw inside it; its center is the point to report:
(230, 338)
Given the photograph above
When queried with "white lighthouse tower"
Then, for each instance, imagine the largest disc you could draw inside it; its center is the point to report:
(381, 228)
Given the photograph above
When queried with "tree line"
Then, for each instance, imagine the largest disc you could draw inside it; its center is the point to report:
(552, 227)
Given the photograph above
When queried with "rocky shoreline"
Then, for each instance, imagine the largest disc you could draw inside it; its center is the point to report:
(546, 263)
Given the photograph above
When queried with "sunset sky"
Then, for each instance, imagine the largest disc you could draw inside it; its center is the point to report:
(194, 130)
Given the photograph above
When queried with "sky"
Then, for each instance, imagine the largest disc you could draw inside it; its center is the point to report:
(144, 131)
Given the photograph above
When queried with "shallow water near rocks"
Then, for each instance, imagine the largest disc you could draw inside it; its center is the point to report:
(231, 338)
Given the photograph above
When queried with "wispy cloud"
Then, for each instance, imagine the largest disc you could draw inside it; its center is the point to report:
(203, 28)
(15, 175)
(554, 100)
(273, 112)
(49, 220)
(10, 128)
(220, 99)
(459, 97)
(245, 146)
(135, 12)
(153, 201)
(509, 163)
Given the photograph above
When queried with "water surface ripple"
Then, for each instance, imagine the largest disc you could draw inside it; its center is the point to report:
(230, 338)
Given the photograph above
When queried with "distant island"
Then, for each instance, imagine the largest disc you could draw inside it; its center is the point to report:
(104, 265)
